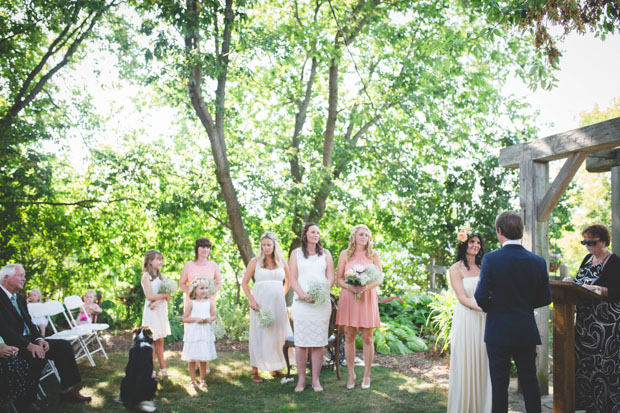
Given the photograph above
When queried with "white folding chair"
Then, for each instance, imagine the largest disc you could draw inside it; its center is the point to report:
(77, 338)
(75, 303)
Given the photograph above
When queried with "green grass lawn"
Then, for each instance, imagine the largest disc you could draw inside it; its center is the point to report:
(230, 389)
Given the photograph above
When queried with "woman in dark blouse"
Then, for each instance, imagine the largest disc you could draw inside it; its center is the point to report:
(17, 385)
(597, 329)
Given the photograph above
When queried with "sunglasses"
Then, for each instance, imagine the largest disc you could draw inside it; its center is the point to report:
(589, 243)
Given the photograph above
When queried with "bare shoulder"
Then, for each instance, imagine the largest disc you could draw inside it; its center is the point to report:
(456, 268)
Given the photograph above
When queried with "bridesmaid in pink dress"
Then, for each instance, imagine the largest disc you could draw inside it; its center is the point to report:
(361, 314)
(200, 267)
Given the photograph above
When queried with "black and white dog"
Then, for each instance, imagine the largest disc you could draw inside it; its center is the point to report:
(138, 387)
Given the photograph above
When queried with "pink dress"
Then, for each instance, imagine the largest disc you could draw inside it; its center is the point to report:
(361, 313)
(196, 271)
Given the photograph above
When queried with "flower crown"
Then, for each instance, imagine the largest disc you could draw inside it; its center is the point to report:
(198, 281)
(464, 234)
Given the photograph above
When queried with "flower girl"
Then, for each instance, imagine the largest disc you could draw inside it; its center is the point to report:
(199, 340)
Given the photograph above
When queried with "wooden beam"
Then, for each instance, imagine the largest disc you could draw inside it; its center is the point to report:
(533, 186)
(615, 209)
(559, 185)
(593, 138)
(603, 161)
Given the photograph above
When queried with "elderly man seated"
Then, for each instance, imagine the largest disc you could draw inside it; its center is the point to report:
(18, 331)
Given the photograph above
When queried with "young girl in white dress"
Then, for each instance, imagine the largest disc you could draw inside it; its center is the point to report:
(155, 313)
(34, 296)
(271, 282)
(199, 340)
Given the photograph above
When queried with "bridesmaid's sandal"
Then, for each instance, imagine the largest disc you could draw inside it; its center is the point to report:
(195, 385)
(366, 385)
(203, 385)
(256, 378)
(163, 373)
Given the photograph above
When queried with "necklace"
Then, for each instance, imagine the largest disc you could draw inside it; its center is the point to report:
(598, 261)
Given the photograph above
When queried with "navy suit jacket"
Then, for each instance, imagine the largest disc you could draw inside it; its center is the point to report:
(513, 282)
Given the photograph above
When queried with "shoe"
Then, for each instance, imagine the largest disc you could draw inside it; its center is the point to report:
(351, 386)
(74, 396)
(317, 388)
(366, 385)
(195, 385)
(163, 373)
(203, 384)
(256, 378)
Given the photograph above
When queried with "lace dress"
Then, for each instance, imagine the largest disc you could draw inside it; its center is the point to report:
(310, 321)
(266, 342)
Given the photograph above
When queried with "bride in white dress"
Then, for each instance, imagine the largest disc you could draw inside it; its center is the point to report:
(470, 381)
(271, 283)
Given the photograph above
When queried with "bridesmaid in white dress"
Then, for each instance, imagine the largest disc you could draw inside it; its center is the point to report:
(310, 321)
(269, 270)
(470, 381)
(155, 314)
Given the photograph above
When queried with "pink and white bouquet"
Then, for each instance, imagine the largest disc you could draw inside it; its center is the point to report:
(362, 275)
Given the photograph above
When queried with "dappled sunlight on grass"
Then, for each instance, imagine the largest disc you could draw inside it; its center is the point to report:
(231, 389)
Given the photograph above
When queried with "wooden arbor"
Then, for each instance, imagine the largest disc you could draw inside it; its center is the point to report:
(538, 197)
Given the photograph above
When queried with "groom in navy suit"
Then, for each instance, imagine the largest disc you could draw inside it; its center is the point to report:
(513, 282)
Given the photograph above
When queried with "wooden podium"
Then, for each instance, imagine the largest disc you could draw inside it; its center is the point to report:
(565, 296)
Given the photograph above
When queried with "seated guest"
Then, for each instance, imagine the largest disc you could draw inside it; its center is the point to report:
(91, 307)
(17, 385)
(18, 331)
(34, 296)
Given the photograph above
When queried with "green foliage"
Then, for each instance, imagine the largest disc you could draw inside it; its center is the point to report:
(177, 330)
(393, 338)
(233, 313)
(440, 319)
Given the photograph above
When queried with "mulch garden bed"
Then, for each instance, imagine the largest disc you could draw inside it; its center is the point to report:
(427, 366)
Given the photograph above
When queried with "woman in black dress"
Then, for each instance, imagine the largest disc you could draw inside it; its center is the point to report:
(597, 329)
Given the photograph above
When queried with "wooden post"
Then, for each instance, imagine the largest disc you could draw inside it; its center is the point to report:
(533, 187)
(432, 270)
(615, 209)
(435, 269)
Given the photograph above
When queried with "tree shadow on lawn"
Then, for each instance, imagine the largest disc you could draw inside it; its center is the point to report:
(231, 389)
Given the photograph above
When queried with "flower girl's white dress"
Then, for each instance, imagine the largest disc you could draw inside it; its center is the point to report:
(199, 340)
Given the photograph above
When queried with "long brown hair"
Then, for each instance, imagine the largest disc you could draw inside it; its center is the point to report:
(304, 241)
(147, 267)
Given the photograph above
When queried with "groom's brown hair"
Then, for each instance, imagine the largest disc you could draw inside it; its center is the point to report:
(511, 224)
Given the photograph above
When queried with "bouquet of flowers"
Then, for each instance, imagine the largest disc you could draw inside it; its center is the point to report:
(211, 287)
(265, 317)
(319, 292)
(361, 275)
(554, 261)
(167, 286)
(218, 330)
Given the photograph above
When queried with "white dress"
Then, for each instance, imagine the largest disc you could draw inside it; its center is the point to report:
(199, 340)
(266, 343)
(156, 319)
(310, 321)
(470, 381)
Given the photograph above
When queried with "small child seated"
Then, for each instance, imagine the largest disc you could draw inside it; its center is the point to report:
(91, 307)
(34, 296)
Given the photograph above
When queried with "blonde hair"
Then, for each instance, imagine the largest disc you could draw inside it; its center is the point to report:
(192, 287)
(146, 265)
(351, 250)
(37, 291)
(278, 257)
(91, 292)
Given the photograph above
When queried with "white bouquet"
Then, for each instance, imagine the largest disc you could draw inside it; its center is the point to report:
(167, 286)
(319, 292)
(218, 330)
(265, 317)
